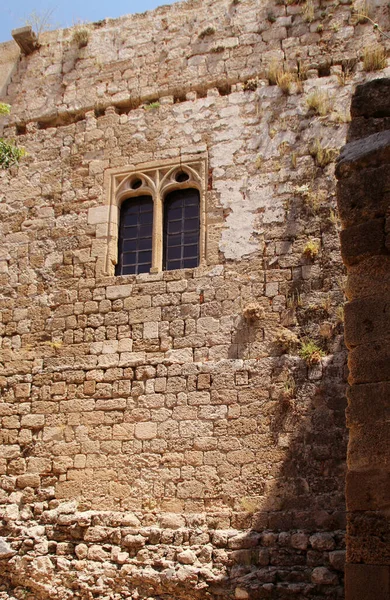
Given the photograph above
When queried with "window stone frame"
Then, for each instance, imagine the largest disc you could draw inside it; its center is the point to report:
(158, 179)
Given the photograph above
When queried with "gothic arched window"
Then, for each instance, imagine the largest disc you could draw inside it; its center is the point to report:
(181, 229)
(135, 236)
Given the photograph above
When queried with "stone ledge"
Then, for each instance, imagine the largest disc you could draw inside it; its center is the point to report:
(26, 39)
(371, 151)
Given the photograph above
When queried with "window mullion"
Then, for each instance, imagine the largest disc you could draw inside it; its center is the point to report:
(157, 247)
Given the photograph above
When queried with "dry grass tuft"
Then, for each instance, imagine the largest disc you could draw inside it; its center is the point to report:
(322, 155)
(374, 58)
(318, 102)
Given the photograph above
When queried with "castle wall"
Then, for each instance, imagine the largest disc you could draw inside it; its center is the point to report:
(363, 207)
(163, 434)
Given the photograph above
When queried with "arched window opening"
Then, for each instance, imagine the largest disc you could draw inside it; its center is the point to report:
(181, 229)
(135, 236)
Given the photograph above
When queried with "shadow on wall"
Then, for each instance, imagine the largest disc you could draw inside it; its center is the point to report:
(295, 546)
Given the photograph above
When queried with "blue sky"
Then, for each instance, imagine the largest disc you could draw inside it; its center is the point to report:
(64, 13)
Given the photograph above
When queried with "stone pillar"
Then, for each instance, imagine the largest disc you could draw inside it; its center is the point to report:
(363, 173)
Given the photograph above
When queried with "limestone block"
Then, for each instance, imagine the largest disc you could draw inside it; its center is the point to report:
(368, 403)
(145, 431)
(96, 552)
(114, 292)
(363, 195)
(368, 446)
(98, 214)
(368, 537)
(5, 549)
(187, 557)
(179, 356)
(323, 576)
(367, 320)
(322, 541)
(28, 480)
(299, 541)
(360, 241)
(366, 582)
(131, 359)
(22, 390)
(337, 559)
(123, 431)
(371, 99)
(371, 277)
(150, 330)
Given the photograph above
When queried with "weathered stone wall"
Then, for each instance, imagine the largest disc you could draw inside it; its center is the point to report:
(363, 196)
(156, 441)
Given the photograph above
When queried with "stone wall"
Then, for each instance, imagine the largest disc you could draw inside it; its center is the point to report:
(363, 196)
(178, 434)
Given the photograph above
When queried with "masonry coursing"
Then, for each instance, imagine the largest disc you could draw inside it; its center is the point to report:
(157, 440)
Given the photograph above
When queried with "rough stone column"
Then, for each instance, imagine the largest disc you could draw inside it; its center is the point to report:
(363, 172)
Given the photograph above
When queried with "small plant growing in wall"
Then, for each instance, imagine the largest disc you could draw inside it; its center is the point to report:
(10, 154)
(286, 339)
(311, 249)
(311, 352)
(206, 32)
(253, 312)
(318, 103)
(81, 36)
(322, 155)
(308, 11)
(374, 58)
(152, 105)
(362, 12)
(285, 81)
(289, 388)
(5, 109)
(272, 72)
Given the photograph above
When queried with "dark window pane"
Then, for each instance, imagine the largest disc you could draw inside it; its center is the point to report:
(192, 262)
(174, 252)
(174, 227)
(181, 229)
(129, 245)
(143, 268)
(190, 251)
(191, 211)
(130, 220)
(146, 218)
(128, 270)
(135, 236)
(191, 224)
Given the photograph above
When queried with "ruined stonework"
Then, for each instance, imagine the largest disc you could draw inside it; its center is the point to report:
(178, 435)
(363, 196)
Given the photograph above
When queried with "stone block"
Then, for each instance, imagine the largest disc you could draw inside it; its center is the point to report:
(115, 292)
(368, 446)
(368, 537)
(368, 403)
(363, 154)
(368, 490)
(183, 355)
(98, 214)
(323, 576)
(364, 195)
(28, 480)
(371, 99)
(360, 241)
(145, 431)
(26, 39)
(367, 320)
(369, 363)
(369, 278)
(367, 582)
(22, 390)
